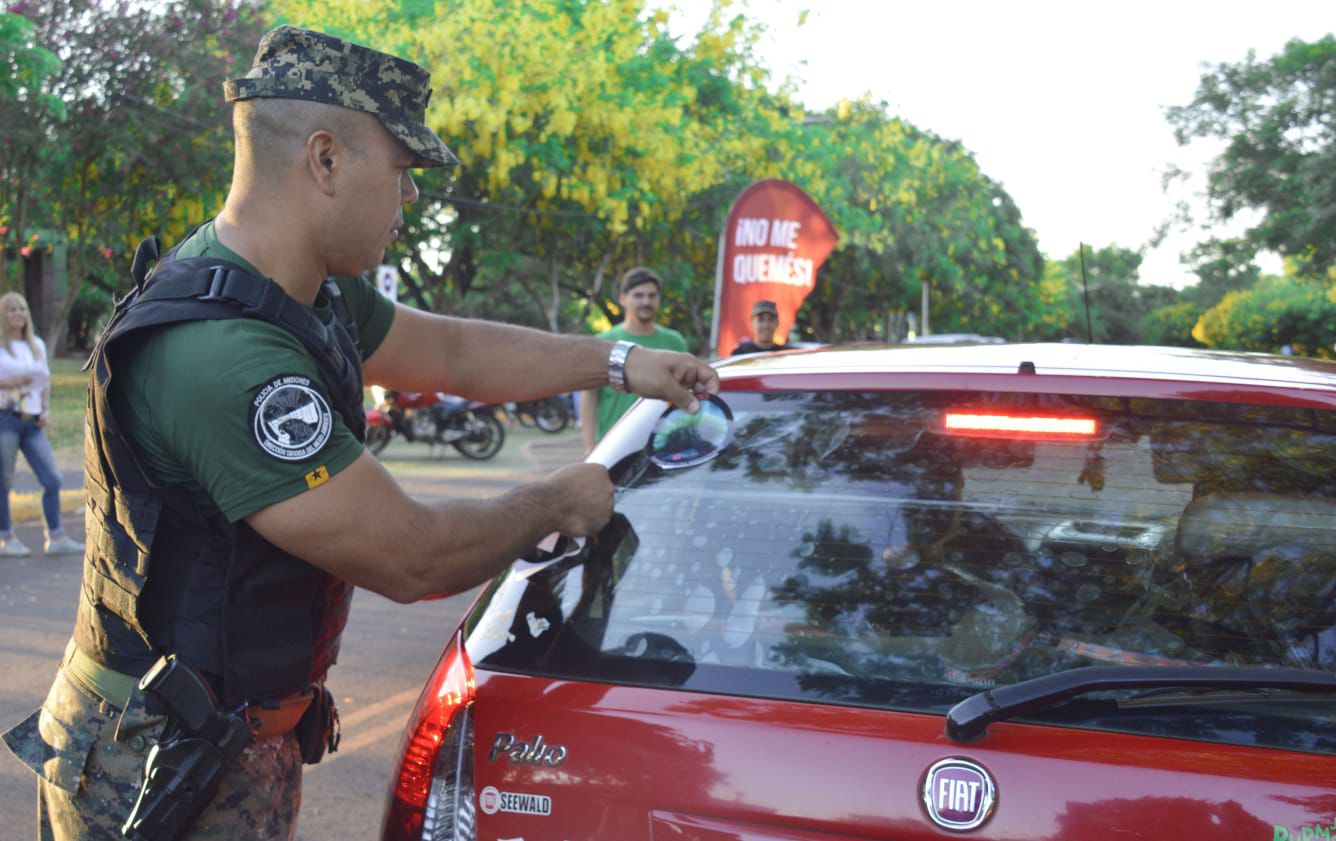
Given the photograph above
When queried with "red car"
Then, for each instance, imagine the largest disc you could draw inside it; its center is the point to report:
(1005, 591)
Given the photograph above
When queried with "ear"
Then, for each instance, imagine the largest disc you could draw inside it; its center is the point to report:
(324, 159)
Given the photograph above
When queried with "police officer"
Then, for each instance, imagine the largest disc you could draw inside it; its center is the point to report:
(232, 506)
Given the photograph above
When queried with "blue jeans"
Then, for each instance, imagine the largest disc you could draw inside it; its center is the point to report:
(18, 434)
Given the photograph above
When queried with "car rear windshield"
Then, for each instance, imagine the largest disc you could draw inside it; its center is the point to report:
(864, 549)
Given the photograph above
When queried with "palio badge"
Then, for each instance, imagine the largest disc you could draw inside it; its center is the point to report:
(526, 753)
(958, 794)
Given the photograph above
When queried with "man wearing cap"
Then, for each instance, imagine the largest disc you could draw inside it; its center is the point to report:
(764, 320)
(231, 505)
(639, 295)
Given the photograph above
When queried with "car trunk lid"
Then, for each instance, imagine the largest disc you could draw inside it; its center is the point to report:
(569, 759)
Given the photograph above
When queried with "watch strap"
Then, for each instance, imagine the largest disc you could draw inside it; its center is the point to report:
(617, 364)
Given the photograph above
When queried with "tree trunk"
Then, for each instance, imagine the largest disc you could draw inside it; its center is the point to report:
(74, 277)
(553, 310)
(600, 274)
(924, 330)
(17, 227)
(55, 331)
(829, 331)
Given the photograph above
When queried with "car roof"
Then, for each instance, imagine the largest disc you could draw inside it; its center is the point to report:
(1073, 368)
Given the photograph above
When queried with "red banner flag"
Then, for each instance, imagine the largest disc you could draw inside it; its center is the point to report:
(775, 239)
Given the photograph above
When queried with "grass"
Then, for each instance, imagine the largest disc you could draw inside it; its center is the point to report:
(69, 390)
(64, 428)
(27, 507)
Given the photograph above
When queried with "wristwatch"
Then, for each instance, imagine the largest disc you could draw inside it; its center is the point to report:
(617, 364)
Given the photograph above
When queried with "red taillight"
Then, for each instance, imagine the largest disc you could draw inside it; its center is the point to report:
(442, 705)
(1026, 426)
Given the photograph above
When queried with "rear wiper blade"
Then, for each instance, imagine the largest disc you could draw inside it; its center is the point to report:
(969, 719)
(1180, 697)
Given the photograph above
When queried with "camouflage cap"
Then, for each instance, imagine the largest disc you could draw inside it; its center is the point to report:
(294, 63)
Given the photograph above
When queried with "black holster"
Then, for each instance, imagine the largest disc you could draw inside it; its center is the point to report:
(186, 766)
(318, 728)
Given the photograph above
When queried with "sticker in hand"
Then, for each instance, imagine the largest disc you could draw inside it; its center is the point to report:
(681, 439)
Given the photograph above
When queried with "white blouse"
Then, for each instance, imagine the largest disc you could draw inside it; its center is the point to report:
(17, 359)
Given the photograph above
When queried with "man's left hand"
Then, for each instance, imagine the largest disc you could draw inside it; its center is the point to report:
(679, 378)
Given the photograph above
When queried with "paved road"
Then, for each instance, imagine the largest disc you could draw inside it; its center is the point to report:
(388, 649)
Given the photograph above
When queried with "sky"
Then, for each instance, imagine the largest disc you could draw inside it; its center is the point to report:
(1061, 102)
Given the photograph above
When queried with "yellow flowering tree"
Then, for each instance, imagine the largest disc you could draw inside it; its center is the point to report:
(592, 140)
(583, 128)
(1273, 313)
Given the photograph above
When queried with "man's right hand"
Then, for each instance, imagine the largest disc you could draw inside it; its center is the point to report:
(359, 525)
(584, 492)
(677, 377)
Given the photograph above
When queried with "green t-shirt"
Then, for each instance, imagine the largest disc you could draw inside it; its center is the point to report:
(204, 401)
(613, 404)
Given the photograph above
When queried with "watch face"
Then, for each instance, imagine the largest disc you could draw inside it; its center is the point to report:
(683, 439)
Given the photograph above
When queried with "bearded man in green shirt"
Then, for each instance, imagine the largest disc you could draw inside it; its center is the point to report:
(640, 294)
(232, 506)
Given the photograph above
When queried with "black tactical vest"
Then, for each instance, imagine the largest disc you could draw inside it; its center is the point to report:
(160, 576)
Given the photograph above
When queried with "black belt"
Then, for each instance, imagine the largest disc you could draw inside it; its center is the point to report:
(21, 415)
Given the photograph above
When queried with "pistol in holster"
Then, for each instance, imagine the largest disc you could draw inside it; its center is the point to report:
(199, 743)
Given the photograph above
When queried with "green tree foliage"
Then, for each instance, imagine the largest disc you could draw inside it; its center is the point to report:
(146, 147)
(593, 140)
(1280, 158)
(1277, 311)
(1118, 303)
(1171, 325)
(1222, 266)
(912, 209)
(584, 131)
(27, 108)
(25, 65)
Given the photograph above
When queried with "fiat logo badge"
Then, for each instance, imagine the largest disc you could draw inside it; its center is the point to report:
(958, 794)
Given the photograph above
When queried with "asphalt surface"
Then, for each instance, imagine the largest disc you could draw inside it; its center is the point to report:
(388, 650)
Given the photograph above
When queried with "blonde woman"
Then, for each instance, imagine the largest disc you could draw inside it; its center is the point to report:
(25, 392)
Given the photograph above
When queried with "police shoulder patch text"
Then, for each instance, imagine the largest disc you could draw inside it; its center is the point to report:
(289, 418)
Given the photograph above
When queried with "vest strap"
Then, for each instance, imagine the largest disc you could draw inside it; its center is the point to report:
(162, 576)
(177, 288)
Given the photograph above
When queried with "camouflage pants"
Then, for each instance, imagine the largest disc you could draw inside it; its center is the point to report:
(89, 758)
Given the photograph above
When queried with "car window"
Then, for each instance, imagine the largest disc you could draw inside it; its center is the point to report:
(850, 548)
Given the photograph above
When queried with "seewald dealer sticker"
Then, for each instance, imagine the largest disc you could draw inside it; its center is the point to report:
(492, 801)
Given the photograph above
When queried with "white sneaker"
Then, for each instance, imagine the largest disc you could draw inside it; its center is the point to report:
(63, 546)
(14, 548)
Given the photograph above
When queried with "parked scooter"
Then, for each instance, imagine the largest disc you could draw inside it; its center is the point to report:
(550, 414)
(470, 427)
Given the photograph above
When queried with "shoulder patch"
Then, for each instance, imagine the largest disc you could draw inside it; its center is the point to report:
(290, 418)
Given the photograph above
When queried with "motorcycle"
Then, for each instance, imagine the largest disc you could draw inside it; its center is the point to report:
(470, 427)
(550, 414)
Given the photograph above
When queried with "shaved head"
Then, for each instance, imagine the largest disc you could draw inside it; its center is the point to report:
(271, 134)
(317, 190)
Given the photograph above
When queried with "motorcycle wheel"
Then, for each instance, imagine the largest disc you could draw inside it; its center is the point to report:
(551, 416)
(377, 438)
(486, 435)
